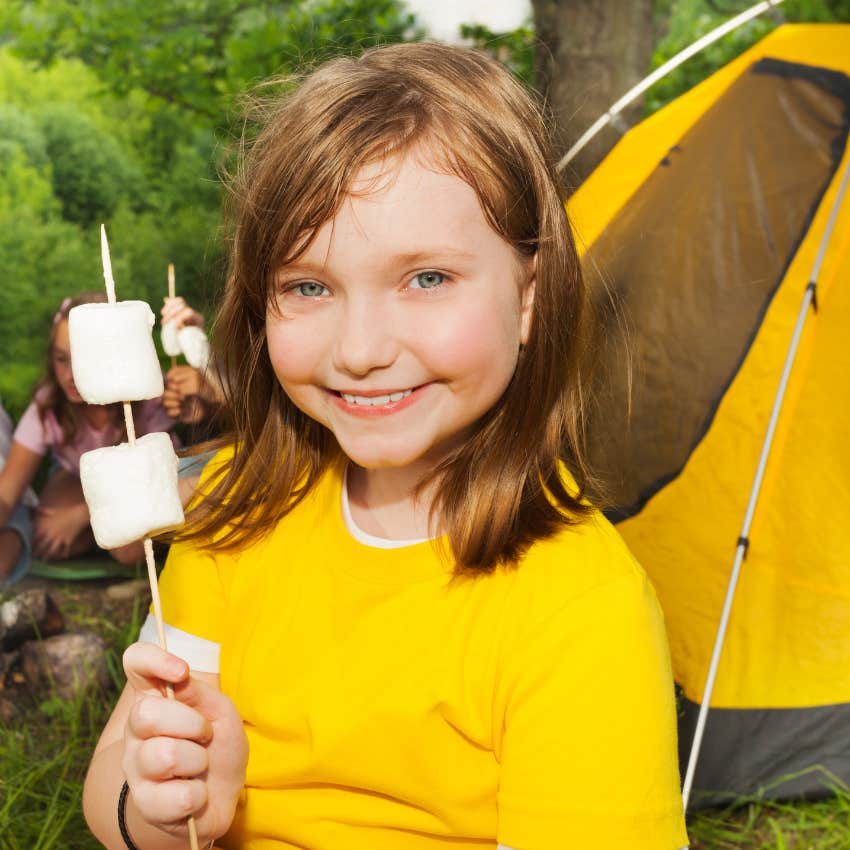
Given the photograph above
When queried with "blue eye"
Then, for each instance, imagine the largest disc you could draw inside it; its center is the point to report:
(311, 289)
(427, 280)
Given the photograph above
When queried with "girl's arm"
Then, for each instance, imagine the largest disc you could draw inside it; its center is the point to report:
(15, 476)
(179, 758)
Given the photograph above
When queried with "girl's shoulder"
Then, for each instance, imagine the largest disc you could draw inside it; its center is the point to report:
(38, 427)
(588, 559)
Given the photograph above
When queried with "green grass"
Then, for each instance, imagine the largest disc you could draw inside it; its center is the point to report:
(44, 757)
(762, 825)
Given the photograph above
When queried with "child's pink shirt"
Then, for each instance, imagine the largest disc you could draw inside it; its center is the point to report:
(38, 436)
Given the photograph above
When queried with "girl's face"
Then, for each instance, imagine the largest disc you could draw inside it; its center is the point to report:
(60, 357)
(400, 325)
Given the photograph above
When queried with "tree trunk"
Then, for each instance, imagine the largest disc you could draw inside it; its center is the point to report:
(589, 53)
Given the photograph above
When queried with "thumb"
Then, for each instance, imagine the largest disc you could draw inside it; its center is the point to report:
(147, 667)
(205, 699)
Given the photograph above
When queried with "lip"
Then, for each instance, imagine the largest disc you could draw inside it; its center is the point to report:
(365, 412)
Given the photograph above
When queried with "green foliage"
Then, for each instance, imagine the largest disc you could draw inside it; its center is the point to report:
(688, 20)
(514, 49)
(90, 171)
(18, 130)
(198, 54)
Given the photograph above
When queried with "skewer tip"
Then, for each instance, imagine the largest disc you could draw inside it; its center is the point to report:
(107, 265)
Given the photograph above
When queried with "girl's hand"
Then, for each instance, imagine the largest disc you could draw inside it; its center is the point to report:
(56, 529)
(181, 757)
(178, 311)
(187, 395)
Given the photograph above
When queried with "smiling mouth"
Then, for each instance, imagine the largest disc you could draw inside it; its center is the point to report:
(375, 400)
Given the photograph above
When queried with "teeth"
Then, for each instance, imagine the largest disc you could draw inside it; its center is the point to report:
(375, 401)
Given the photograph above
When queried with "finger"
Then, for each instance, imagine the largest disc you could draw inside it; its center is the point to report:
(164, 758)
(169, 802)
(156, 717)
(48, 546)
(147, 667)
(188, 316)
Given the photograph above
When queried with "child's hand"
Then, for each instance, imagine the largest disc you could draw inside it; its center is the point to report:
(56, 529)
(181, 757)
(187, 395)
(178, 311)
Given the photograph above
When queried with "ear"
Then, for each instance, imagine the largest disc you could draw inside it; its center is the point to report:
(527, 305)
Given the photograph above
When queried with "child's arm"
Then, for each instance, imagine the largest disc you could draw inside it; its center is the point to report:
(15, 476)
(179, 758)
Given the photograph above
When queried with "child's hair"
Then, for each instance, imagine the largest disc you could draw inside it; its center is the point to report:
(505, 487)
(48, 394)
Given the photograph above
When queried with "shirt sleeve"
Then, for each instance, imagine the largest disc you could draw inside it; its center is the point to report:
(588, 743)
(30, 432)
(193, 593)
(193, 590)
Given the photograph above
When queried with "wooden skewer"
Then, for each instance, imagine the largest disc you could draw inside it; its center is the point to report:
(172, 293)
(148, 544)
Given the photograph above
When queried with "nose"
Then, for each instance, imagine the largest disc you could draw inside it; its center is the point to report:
(366, 337)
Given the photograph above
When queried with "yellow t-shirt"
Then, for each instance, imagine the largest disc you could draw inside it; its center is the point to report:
(391, 707)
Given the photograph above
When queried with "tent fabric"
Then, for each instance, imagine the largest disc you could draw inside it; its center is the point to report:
(704, 224)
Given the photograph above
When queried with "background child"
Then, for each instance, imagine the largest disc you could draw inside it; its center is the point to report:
(392, 592)
(59, 421)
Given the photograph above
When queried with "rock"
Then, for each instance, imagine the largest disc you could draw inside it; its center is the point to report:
(29, 614)
(127, 590)
(68, 663)
(7, 661)
(9, 711)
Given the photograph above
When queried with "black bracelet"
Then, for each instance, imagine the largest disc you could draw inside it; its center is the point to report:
(122, 826)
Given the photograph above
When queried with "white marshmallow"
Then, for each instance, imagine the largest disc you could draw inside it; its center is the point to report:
(112, 352)
(170, 342)
(195, 346)
(131, 491)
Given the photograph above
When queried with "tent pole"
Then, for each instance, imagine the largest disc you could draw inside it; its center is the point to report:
(662, 71)
(809, 298)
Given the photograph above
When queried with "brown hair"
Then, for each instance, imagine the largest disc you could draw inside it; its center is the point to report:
(48, 394)
(505, 487)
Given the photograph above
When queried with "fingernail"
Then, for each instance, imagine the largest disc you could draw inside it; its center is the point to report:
(176, 669)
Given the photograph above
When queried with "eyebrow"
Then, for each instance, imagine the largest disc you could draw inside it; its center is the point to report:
(415, 257)
(406, 258)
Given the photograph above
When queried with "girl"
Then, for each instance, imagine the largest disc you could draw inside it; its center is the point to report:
(59, 420)
(395, 621)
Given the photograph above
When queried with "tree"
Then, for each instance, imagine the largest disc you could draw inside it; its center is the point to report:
(197, 55)
(589, 53)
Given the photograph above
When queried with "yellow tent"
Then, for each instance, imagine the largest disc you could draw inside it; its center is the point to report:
(705, 223)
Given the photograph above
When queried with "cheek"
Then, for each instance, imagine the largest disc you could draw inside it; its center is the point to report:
(292, 351)
(478, 344)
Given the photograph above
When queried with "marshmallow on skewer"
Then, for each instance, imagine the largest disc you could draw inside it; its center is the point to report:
(131, 491)
(112, 352)
(195, 346)
(170, 340)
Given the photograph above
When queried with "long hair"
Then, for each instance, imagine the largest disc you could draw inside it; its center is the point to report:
(48, 394)
(506, 486)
